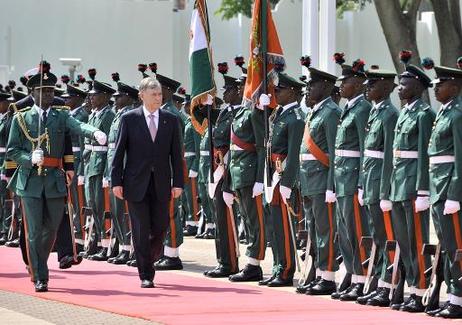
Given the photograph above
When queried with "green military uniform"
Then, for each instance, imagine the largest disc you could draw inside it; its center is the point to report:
(203, 180)
(286, 132)
(317, 177)
(445, 148)
(77, 191)
(410, 179)
(5, 122)
(42, 194)
(95, 157)
(377, 170)
(192, 141)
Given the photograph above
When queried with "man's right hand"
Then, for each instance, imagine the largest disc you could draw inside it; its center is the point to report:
(118, 192)
(37, 157)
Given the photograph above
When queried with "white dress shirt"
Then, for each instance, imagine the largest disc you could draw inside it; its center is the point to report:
(40, 111)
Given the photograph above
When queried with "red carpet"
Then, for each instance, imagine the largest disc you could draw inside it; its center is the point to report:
(183, 299)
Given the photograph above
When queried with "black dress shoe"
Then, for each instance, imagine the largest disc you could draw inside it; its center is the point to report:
(200, 236)
(147, 284)
(247, 274)
(168, 263)
(322, 288)
(100, 256)
(336, 295)
(354, 293)
(220, 272)
(414, 305)
(216, 268)
(433, 312)
(66, 262)
(41, 286)
(3, 239)
(451, 311)
(280, 282)
(381, 299)
(190, 231)
(122, 258)
(78, 260)
(132, 263)
(302, 289)
(397, 306)
(12, 243)
(209, 234)
(265, 282)
(363, 300)
(346, 283)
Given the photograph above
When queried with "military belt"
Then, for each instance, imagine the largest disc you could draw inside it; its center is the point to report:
(189, 154)
(307, 156)
(51, 162)
(111, 145)
(442, 160)
(347, 153)
(205, 153)
(88, 147)
(2, 149)
(99, 148)
(405, 154)
(75, 149)
(373, 154)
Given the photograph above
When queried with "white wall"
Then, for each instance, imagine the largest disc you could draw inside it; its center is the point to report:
(116, 35)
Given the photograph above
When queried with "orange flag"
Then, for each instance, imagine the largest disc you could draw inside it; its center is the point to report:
(262, 34)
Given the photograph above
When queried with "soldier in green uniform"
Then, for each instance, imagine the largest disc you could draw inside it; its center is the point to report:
(445, 152)
(74, 98)
(95, 156)
(174, 237)
(317, 177)
(377, 168)
(349, 147)
(246, 172)
(224, 236)
(4, 103)
(192, 140)
(410, 186)
(286, 132)
(39, 179)
(126, 98)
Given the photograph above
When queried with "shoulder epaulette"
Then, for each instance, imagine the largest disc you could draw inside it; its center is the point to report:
(297, 114)
(61, 108)
(25, 109)
(12, 108)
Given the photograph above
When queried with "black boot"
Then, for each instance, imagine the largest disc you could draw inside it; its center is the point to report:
(122, 258)
(168, 263)
(451, 311)
(3, 239)
(322, 288)
(190, 230)
(414, 305)
(247, 274)
(363, 300)
(265, 282)
(100, 256)
(354, 293)
(381, 299)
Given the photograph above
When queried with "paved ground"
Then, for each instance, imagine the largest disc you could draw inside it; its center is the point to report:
(198, 255)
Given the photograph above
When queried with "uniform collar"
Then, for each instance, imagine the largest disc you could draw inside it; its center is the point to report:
(445, 106)
(411, 105)
(286, 107)
(351, 102)
(319, 105)
(40, 111)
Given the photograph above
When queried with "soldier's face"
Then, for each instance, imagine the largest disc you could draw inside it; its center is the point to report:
(43, 97)
(99, 100)
(230, 95)
(316, 91)
(408, 88)
(446, 90)
(283, 95)
(4, 106)
(122, 101)
(373, 90)
(73, 101)
(350, 87)
(152, 98)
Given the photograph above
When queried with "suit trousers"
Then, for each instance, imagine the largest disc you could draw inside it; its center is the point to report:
(150, 220)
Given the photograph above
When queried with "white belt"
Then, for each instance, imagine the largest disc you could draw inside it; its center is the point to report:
(112, 145)
(235, 147)
(99, 148)
(405, 154)
(205, 153)
(441, 160)
(347, 153)
(75, 149)
(189, 154)
(307, 156)
(373, 154)
(88, 147)
(2, 149)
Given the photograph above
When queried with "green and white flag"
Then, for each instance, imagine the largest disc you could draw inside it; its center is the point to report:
(200, 61)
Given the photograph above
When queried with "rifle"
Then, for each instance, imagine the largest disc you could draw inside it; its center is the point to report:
(308, 266)
(368, 243)
(107, 222)
(431, 298)
(70, 214)
(11, 206)
(80, 197)
(392, 245)
(292, 233)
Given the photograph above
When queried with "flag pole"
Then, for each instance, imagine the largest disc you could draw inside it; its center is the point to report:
(264, 51)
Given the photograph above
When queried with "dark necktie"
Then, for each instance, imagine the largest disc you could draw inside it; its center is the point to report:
(44, 117)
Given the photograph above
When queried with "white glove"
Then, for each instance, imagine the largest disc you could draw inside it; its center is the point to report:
(330, 197)
(422, 203)
(80, 180)
(360, 196)
(3, 177)
(451, 207)
(228, 198)
(101, 137)
(105, 182)
(386, 205)
(257, 189)
(285, 193)
(208, 101)
(192, 174)
(37, 157)
(263, 101)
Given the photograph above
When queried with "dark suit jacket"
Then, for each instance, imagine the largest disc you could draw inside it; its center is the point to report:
(141, 155)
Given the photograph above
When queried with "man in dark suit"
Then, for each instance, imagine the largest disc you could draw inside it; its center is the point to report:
(147, 172)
